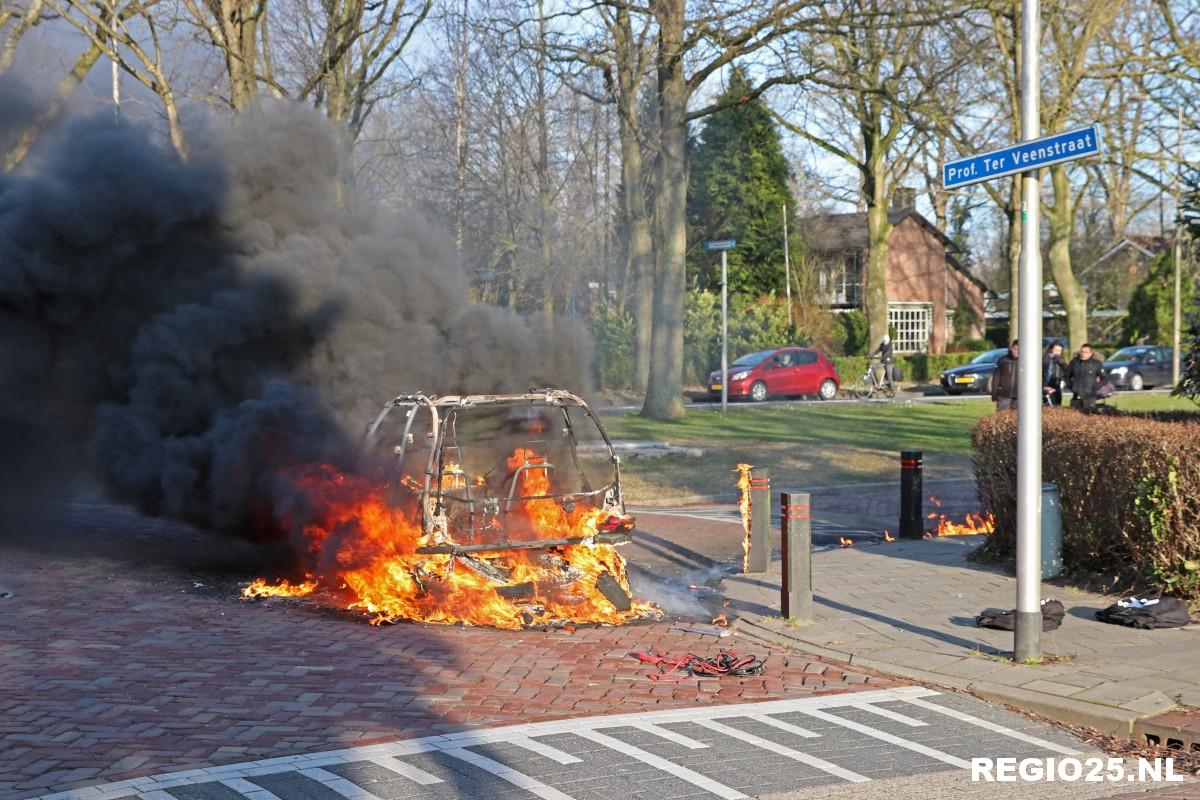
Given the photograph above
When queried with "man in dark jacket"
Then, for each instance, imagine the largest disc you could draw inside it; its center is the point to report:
(885, 354)
(1054, 372)
(1004, 380)
(1084, 377)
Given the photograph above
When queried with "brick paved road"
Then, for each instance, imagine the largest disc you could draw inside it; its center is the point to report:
(114, 663)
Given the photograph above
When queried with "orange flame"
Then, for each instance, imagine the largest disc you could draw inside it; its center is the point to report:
(367, 549)
(846, 542)
(259, 588)
(721, 620)
(743, 485)
(973, 524)
(887, 537)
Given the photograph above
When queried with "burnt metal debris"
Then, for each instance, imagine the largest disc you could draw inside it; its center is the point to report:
(465, 508)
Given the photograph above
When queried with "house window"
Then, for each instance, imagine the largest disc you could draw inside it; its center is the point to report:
(840, 283)
(911, 322)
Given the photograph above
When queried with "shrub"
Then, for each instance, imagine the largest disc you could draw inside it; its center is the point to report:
(855, 325)
(1130, 488)
(613, 336)
(754, 324)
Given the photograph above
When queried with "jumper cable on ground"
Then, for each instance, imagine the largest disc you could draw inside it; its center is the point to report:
(680, 668)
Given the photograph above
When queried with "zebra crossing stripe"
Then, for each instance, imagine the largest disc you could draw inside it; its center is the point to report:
(795, 755)
(867, 730)
(683, 773)
(887, 713)
(509, 774)
(991, 726)
(670, 736)
(251, 790)
(795, 730)
(543, 749)
(414, 774)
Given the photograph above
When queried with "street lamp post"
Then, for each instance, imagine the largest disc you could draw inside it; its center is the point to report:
(1177, 251)
(1028, 623)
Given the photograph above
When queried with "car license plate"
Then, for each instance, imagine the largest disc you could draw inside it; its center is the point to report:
(964, 380)
(716, 387)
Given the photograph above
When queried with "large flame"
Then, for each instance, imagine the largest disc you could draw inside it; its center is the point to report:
(743, 485)
(363, 556)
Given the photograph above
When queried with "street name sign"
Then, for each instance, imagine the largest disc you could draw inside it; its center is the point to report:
(1021, 157)
(719, 245)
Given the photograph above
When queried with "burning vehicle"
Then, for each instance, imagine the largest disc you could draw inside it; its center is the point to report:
(499, 510)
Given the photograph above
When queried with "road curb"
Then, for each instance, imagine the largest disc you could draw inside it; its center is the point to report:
(1109, 720)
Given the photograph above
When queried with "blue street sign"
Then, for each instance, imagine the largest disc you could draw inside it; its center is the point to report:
(719, 245)
(1021, 157)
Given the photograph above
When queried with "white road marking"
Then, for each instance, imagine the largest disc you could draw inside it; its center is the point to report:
(526, 736)
(683, 773)
(887, 713)
(867, 730)
(509, 774)
(414, 774)
(542, 749)
(670, 736)
(336, 783)
(250, 790)
(784, 726)
(795, 755)
(991, 726)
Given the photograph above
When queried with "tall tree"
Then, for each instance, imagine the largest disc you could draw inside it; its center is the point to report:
(738, 190)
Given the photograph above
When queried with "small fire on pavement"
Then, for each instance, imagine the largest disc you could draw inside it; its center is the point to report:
(743, 485)
(846, 542)
(972, 525)
(887, 537)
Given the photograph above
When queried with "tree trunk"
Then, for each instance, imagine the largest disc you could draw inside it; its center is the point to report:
(878, 229)
(664, 389)
(637, 215)
(66, 88)
(1062, 223)
(1013, 251)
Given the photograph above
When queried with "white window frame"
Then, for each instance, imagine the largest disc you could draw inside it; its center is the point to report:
(913, 323)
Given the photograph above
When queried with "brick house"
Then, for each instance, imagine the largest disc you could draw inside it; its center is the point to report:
(927, 287)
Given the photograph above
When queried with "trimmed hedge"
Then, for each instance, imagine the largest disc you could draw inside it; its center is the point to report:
(1130, 488)
(916, 367)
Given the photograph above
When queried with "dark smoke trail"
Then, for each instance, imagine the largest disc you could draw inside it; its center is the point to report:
(182, 332)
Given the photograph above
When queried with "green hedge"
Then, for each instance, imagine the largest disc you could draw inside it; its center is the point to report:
(916, 367)
(613, 340)
(1130, 488)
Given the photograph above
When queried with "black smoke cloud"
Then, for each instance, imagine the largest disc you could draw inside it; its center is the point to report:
(184, 332)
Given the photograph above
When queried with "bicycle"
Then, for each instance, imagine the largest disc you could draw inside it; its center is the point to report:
(866, 386)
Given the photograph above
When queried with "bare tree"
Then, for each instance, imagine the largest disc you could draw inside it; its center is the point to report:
(18, 22)
(233, 27)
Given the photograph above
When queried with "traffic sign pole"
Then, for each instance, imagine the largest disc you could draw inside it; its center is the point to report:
(1028, 623)
(724, 330)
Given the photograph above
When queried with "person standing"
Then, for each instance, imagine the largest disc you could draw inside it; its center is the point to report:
(1004, 380)
(1054, 372)
(885, 354)
(1083, 377)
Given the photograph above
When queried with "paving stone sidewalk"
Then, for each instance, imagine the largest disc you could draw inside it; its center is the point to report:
(124, 652)
(908, 608)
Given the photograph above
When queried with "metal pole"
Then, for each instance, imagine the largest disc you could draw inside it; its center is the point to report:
(1177, 251)
(116, 83)
(912, 502)
(760, 520)
(787, 265)
(1028, 628)
(724, 331)
(795, 589)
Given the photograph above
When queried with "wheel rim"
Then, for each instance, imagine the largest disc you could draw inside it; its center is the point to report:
(828, 390)
(1136, 383)
(758, 391)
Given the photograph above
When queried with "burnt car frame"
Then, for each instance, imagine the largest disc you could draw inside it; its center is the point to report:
(463, 511)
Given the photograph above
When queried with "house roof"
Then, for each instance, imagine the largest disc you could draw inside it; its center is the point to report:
(831, 233)
(1148, 246)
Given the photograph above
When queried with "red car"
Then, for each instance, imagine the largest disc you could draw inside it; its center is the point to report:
(772, 373)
